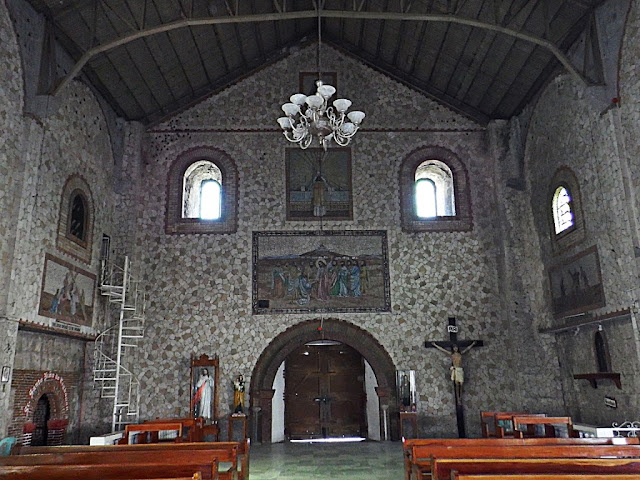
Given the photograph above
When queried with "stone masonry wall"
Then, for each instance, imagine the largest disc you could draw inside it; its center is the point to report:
(200, 285)
(11, 178)
(567, 131)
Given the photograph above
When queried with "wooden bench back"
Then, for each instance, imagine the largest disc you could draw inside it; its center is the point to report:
(226, 452)
(549, 423)
(192, 428)
(555, 476)
(530, 451)
(489, 424)
(153, 428)
(107, 472)
(441, 469)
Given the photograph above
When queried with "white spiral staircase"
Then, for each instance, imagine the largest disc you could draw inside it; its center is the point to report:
(115, 348)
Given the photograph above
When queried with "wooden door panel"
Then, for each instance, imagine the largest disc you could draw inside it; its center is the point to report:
(324, 392)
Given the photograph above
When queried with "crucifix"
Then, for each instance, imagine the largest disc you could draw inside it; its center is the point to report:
(455, 349)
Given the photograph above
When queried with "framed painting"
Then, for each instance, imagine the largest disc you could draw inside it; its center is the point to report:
(67, 292)
(205, 376)
(319, 184)
(576, 284)
(320, 271)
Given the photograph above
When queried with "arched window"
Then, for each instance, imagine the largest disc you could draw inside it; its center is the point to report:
(562, 209)
(434, 191)
(75, 225)
(78, 217)
(425, 197)
(210, 200)
(202, 192)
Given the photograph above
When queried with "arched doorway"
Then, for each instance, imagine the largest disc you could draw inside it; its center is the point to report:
(273, 356)
(324, 394)
(41, 417)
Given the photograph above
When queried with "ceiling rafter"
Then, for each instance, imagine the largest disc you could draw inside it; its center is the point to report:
(448, 19)
(139, 24)
(512, 43)
(174, 50)
(464, 48)
(487, 46)
(140, 74)
(474, 55)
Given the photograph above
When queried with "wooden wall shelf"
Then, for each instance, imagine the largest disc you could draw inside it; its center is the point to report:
(594, 377)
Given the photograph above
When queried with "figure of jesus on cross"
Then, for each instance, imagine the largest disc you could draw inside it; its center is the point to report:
(457, 372)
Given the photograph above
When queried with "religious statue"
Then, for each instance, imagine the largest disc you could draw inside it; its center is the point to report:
(238, 394)
(203, 395)
(457, 372)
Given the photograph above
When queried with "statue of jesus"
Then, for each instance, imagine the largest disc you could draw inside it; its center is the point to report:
(457, 372)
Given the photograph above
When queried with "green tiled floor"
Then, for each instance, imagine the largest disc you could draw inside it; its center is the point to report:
(341, 461)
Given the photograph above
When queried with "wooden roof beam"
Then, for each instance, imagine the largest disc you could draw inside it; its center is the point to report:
(269, 17)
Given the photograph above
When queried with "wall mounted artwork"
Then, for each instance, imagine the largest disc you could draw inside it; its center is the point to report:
(576, 284)
(67, 292)
(320, 271)
(319, 184)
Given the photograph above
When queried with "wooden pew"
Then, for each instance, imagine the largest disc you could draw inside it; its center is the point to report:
(490, 426)
(142, 471)
(225, 452)
(555, 476)
(418, 452)
(192, 428)
(153, 429)
(446, 468)
(548, 423)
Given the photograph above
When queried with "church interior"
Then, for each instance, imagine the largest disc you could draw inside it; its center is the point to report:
(187, 234)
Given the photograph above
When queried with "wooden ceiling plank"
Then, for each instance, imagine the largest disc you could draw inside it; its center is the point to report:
(478, 60)
(512, 81)
(422, 87)
(152, 95)
(458, 64)
(438, 55)
(259, 40)
(152, 56)
(414, 60)
(545, 74)
(173, 48)
(121, 79)
(513, 42)
(381, 30)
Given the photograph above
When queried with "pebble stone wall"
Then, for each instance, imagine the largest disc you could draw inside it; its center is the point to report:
(69, 138)
(11, 175)
(567, 131)
(200, 285)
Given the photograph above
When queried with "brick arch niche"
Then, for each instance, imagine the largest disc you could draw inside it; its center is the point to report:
(52, 386)
(279, 349)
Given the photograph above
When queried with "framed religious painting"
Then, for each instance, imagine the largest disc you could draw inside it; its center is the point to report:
(320, 271)
(205, 376)
(319, 184)
(576, 284)
(67, 292)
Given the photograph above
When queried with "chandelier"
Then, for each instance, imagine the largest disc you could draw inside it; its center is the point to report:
(309, 117)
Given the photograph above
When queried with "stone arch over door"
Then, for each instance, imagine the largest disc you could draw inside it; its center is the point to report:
(280, 347)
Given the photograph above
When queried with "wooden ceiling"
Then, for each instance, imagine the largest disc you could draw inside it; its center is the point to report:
(485, 58)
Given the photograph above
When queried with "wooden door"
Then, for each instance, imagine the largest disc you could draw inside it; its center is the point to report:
(324, 392)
